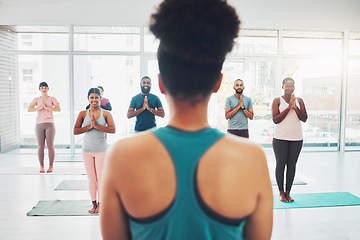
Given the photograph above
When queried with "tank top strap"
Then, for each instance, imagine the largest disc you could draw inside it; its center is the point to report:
(186, 149)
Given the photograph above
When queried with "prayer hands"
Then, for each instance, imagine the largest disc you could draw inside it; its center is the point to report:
(146, 104)
(241, 102)
(93, 121)
(292, 102)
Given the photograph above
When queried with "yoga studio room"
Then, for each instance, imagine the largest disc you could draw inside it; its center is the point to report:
(180, 119)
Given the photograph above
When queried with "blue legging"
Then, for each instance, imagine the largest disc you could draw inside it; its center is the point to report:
(286, 154)
(45, 131)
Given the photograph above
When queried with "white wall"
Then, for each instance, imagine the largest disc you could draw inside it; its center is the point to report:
(294, 14)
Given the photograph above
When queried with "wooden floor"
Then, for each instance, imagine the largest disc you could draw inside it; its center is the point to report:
(323, 172)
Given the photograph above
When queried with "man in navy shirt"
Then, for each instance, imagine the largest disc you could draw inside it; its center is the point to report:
(145, 106)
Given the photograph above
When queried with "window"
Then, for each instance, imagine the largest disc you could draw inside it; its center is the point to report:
(256, 42)
(106, 38)
(354, 43)
(312, 43)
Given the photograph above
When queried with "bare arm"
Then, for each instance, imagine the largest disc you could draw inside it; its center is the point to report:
(33, 108)
(249, 113)
(77, 128)
(158, 112)
(110, 128)
(113, 219)
(133, 113)
(301, 112)
(276, 115)
(229, 113)
(259, 224)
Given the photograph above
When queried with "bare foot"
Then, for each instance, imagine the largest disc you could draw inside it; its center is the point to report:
(283, 197)
(50, 170)
(97, 210)
(289, 199)
(42, 170)
(93, 208)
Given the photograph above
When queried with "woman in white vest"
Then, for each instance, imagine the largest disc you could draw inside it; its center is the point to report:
(287, 112)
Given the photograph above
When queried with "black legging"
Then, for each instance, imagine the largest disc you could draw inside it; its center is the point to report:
(286, 153)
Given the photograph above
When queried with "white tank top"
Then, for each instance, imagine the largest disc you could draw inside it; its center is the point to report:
(290, 127)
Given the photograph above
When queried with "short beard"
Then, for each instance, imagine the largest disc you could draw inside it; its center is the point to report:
(145, 91)
(239, 92)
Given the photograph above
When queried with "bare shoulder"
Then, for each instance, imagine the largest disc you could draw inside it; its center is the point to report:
(133, 151)
(300, 99)
(242, 149)
(83, 113)
(276, 100)
(106, 113)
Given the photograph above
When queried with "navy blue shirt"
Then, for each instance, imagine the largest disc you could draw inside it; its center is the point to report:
(146, 119)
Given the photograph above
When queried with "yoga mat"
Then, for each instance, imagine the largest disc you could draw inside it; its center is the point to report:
(36, 171)
(69, 185)
(316, 200)
(62, 208)
(68, 158)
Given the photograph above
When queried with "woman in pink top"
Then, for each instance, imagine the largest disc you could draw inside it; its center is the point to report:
(287, 112)
(45, 129)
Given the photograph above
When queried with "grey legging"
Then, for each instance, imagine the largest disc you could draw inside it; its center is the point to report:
(45, 131)
(286, 154)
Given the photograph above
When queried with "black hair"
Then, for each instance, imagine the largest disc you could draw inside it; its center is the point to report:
(238, 80)
(145, 77)
(43, 84)
(94, 90)
(195, 37)
(101, 88)
(288, 79)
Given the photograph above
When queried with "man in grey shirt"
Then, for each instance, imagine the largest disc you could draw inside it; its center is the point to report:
(238, 108)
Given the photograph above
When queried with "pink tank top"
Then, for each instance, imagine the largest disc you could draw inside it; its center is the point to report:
(290, 128)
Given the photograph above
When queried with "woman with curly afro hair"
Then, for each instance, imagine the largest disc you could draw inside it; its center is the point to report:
(188, 180)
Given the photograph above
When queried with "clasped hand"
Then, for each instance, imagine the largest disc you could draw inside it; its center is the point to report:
(241, 102)
(146, 104)
(292, 102)
(93, 121)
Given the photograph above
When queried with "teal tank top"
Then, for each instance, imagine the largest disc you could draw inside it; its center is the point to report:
(187, 217)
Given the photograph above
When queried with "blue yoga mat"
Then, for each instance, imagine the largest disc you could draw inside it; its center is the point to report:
(316, 200)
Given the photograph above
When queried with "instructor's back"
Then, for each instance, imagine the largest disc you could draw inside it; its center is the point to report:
(187, 180)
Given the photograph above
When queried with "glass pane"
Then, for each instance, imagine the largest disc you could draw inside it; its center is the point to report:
(354, 43)
(35, 38)
(256, 42)
(352, 132)
(151, 44)
(105, 38)
(54, 71)
(305, 42)
(120, 78)
(318, 83)
(262, 93)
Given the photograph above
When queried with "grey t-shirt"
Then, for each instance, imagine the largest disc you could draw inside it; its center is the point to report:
(239, 121)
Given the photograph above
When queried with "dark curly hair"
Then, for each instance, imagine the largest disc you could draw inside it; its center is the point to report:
(195, 36)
